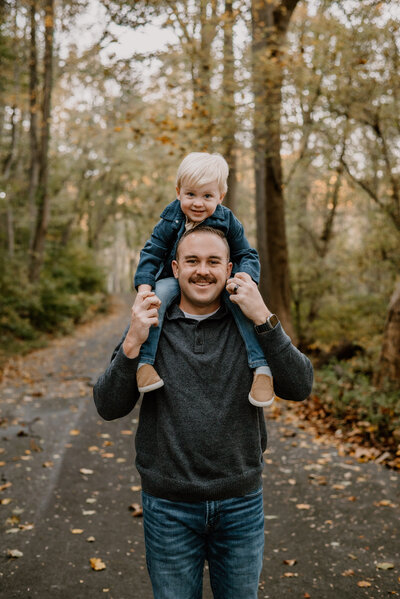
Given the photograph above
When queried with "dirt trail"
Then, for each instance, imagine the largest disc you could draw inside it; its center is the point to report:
(67, 481)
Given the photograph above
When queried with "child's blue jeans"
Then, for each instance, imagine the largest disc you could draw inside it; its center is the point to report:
(167, 290)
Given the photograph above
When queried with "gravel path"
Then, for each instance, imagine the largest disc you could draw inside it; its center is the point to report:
(68, 482)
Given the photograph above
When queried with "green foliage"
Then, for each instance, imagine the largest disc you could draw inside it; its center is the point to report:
(347, 393)
(70, 290)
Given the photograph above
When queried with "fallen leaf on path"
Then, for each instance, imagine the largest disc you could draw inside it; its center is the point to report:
(48, 464)
(26, 526)
(385, 566)
(88, 512)
(107, 455)
(90, 539)
(127, 432)
(5, 501)
(290, 574)
(77, 531)
(74, 432)
(363, 583)
(307, 596)
(97, 564)
(86, 471)
(303, 506)
(136, 488)
(5, 486)
(352, 556)
(93, 448)
(290, 562)
(384, 503)
(348, 573)
(136, 510)
(14, 553)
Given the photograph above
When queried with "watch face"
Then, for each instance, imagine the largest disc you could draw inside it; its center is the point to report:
(273, 320)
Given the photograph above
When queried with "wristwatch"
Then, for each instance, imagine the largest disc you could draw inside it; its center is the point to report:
(268, 325)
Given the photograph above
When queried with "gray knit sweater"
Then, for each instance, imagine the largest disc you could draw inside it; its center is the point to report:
(198, 437)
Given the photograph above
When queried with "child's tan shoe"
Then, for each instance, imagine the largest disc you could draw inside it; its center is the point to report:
(147, 379)
(262, 391)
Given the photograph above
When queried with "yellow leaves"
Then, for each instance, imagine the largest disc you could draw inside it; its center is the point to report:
(74, 432)
(14, 553)
(77, 531)
(97, 564)
(385, 566)
(86, 471)
(136, 509)
(384, 503)
(363, 583)
(5, 486)
(348, 573)
(303, 506)
(127, 432)
(146, 180)
(136, 488)
(5, 501)
(290, 562)
(48, 464)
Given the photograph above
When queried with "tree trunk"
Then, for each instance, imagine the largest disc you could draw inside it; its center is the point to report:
(43, 202)
(270, 21)
(389, 367)
(202, 102)
(34, 150)
(229, 110)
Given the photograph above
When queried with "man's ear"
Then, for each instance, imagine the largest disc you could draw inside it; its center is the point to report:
(174, 265)
(229, 269)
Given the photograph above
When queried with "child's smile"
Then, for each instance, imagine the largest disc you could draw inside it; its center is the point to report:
(198, 202)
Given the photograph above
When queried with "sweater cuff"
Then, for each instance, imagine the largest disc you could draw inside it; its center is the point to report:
(273, 342)
(124, 364)
(144, 280)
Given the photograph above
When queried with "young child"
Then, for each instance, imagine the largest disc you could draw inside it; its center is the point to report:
(201, 185)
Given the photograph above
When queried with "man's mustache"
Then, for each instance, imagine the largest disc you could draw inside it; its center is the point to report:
(206, 279)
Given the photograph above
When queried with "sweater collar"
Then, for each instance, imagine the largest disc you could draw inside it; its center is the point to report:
(175, 313)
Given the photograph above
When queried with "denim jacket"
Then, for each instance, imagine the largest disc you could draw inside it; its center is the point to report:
(160, 249)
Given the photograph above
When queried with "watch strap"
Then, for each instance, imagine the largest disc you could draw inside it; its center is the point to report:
(268, 325)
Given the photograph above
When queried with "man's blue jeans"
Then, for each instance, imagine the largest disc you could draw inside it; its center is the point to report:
(180, 536)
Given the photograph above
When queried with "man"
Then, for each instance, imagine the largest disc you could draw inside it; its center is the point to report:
(199, 442)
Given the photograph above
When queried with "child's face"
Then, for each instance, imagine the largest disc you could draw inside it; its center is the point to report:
(199, 202)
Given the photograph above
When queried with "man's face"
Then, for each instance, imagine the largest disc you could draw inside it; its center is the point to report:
(202, 269)
(199, 202)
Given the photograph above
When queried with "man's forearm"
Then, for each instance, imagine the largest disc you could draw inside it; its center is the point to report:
(292, 371)
(115, 393)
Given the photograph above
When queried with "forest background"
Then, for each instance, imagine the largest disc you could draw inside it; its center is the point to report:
(101, 99)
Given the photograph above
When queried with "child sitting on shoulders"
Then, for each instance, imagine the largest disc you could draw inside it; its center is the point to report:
(201, 185)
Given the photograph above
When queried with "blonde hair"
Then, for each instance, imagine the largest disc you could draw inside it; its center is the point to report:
(200, 168)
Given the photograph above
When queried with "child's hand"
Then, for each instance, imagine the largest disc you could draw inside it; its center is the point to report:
(144, 315)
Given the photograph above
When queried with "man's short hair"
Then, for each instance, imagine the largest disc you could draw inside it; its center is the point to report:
(204, 229)
(200, 168)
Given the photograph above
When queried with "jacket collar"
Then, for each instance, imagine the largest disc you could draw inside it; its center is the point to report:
(173, 212)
